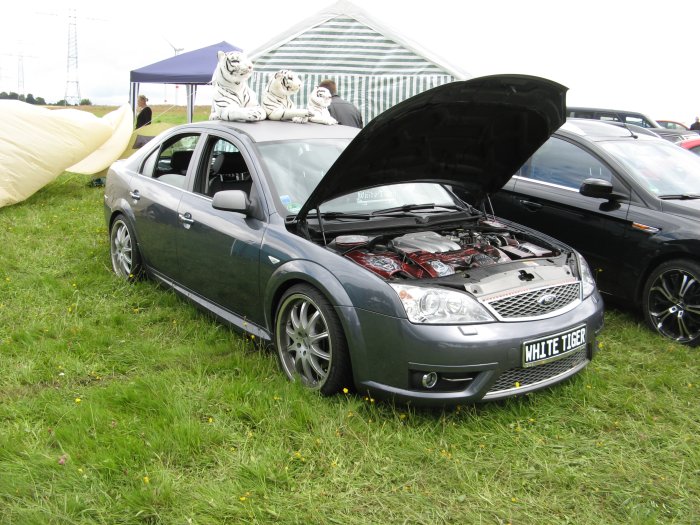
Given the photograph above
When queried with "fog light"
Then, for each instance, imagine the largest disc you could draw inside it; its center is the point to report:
(429, 380)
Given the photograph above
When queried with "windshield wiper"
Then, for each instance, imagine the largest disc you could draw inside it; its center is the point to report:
(406, 208)
(680, 196)
(331, 215)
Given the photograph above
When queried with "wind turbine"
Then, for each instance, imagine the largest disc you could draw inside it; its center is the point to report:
(176, 50)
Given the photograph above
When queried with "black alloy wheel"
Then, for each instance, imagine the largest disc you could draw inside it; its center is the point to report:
(671, 301)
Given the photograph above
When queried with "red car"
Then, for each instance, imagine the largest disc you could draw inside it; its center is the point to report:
(691, 144)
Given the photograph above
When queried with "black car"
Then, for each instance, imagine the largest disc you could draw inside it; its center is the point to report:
(630, 203)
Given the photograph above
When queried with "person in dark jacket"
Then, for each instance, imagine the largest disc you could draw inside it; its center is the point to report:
(144, 113)
(695, 126)
(342, 110)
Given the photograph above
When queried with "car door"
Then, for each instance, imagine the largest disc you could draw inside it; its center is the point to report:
(544, 195)
(219, 251)
(156, 192)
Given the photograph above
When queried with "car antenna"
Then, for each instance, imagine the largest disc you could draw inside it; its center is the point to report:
(624, 125)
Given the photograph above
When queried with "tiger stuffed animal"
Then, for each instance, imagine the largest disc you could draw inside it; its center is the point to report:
(233, 99)
(319, 100)
(277, 100)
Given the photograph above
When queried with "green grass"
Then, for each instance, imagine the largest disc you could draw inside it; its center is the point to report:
(124, 404)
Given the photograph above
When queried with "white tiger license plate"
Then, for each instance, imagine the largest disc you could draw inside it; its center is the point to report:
(553, 347)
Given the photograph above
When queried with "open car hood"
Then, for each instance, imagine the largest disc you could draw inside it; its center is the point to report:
(473, 134)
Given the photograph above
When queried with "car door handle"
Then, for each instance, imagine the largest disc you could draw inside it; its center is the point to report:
(186, 218)
(135, 195)
(532, 206)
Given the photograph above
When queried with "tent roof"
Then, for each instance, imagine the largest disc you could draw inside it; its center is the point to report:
(344, 8)
(193, 67)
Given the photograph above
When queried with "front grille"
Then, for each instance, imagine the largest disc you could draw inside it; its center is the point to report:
(531, 303)
(517, 378)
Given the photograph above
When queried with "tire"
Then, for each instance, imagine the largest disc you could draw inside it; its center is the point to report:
(310, 342)
(126, 258)
(671, 301)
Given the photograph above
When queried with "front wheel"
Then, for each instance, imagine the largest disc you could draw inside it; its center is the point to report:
(310, 342)
(126, 259)
(671, 301)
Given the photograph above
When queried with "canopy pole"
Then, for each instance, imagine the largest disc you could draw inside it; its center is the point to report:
(133, 95)
(191, 94)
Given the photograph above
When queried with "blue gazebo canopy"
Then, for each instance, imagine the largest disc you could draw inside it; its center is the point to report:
(191, 69)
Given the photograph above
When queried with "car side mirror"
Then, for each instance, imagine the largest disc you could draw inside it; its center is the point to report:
(597, 188)
(231, 200)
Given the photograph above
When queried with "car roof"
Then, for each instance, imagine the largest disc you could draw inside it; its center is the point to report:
(600, 130)
(583, 108)
(272, 130)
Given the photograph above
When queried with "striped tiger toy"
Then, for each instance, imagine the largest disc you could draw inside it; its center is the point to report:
(277, 100)
(233, 99)
(319, 100)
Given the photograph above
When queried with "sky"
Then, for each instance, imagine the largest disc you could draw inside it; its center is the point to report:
(636, 55)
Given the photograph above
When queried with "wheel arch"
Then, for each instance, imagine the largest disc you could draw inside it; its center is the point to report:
(127, 213)
(655, 262)
(302, 272)
(316, 275)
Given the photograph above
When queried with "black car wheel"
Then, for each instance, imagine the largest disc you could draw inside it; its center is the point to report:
(672, 301)
(310, 342)
(126, 259)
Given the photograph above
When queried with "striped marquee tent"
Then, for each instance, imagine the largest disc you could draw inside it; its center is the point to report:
(372, 65)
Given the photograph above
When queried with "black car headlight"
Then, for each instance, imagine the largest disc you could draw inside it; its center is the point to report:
(440, 306)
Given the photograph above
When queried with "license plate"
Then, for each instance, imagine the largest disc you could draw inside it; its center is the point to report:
(553, 347)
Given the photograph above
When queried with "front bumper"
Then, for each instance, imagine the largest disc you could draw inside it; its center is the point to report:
(391, 356)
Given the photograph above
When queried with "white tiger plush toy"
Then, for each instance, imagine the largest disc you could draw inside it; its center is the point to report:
(233, 99)
(277, 100)
(319, 100)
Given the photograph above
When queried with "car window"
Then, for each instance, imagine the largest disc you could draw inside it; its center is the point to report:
(171, 162)
(223, 168)
(296, 167)
(608, 117)
(565, 164)
(638, 120)
(392, 196)
(658, 165)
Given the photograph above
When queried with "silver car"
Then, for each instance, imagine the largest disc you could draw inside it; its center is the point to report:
(362, 256)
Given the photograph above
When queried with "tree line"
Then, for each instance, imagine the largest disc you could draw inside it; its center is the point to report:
(39, 101)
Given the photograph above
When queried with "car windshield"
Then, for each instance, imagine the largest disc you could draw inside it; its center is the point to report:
(664, 169)
(295, 168)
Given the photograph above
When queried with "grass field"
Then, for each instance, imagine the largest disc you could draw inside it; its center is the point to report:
(165, 113)
(124, 404)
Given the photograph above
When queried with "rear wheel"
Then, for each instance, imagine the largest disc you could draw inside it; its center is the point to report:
(671, 301)
(126, 259)
(310, 342)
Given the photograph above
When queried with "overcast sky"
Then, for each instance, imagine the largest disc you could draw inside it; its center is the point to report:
(626, 54)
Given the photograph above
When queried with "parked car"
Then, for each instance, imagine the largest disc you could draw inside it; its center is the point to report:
(672, 124)
(350, 255)
(630, 203)
(629, 117)
(691, 145)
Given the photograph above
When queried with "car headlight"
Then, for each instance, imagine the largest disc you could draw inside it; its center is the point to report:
(586, 275)
(440, 306)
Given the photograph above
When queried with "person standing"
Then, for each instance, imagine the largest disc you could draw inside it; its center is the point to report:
(143, 112)
(341, 110)
(695, 126)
